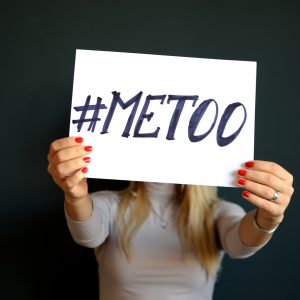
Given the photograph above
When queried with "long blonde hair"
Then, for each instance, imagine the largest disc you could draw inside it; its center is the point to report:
(197, 230)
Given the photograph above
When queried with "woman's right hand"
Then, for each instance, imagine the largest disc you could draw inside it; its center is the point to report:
(68, 162)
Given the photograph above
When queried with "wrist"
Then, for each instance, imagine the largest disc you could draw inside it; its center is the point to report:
(79, 209)
(69, 200)
(266, 225)
(268, 222)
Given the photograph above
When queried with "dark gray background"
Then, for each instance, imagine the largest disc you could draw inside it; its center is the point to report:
(38, 41)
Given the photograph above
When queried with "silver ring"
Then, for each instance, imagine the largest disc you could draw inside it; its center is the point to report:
(275, 197)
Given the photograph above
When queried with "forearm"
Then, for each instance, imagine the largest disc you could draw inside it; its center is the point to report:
(79, 209)
(250, 235)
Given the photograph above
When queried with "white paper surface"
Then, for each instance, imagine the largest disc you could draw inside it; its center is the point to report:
(157, 159)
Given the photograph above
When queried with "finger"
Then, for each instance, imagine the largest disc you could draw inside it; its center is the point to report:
(266, 179)
(71, 166)
(64, 143)
(270, 167)
(272, 208)
(70, 153)
(263, 191)
(72, 181)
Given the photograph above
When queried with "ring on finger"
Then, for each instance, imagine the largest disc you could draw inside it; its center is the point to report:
(275, 196)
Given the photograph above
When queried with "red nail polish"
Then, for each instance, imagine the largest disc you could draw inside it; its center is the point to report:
(87, 159)
(249, 164)
(84, 170)
(241, 181)
(242, 172)
(79, 140)
(246, 194)
(88, 148)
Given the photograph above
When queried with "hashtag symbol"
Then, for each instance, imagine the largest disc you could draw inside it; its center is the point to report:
(84, 109)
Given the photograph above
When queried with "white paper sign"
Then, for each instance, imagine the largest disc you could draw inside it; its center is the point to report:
(164, 118)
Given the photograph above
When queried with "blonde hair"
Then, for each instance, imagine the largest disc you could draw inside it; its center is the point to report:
(196, 205)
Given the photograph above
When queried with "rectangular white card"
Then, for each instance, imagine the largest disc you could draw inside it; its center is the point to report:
(164, 118)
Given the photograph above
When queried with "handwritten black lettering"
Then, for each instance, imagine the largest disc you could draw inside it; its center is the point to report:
(224, 141)
(181, 100)
(84, 109)
(148, 117)
(195, 119)
(177, 112)
(117, 100)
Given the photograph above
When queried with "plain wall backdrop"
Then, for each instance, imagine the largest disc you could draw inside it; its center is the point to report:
(38, 258)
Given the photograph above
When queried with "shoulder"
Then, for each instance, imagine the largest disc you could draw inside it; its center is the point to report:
(107, 195)
(227, 217)
(106, 199)
(227, 209)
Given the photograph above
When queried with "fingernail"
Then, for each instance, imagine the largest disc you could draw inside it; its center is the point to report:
(249, 164)
(79, 140)
(87, 159)
(242, 172)
(84, 170)
(246, 194)
(241, 181)
(88, 148)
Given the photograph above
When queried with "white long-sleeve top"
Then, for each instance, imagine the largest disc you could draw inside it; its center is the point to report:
(158, 268)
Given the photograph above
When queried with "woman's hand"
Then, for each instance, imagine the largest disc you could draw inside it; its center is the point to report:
(261, 180)
(68, 162)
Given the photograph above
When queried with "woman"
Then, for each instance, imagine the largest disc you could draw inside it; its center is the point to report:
(166, 241)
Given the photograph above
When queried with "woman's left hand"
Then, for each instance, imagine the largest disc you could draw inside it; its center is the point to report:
(263, 181)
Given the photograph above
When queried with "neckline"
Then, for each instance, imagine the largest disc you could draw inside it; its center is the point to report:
(161, 197)
(157, 189)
